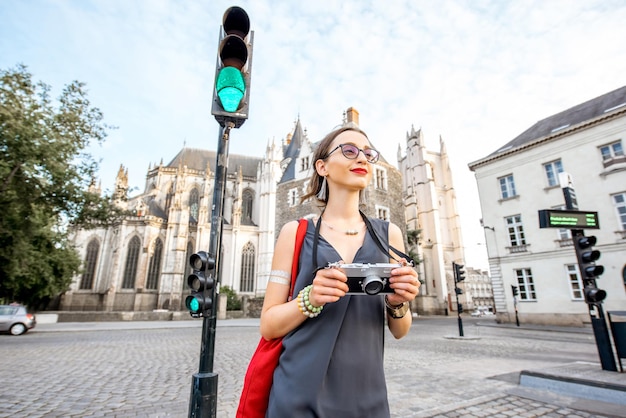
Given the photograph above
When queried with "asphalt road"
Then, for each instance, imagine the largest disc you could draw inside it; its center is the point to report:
(144, 369)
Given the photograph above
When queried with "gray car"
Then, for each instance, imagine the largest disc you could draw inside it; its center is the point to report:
(15, 320)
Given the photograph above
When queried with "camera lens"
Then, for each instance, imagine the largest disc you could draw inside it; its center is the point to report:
(372, 285)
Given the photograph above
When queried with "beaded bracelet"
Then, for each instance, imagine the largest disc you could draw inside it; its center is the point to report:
(304, 304)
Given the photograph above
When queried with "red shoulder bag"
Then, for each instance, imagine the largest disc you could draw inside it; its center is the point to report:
(258, 381)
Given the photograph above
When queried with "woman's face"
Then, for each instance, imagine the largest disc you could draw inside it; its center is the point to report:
(354, 174)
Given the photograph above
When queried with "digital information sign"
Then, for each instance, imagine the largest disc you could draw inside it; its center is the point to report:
(569, 219)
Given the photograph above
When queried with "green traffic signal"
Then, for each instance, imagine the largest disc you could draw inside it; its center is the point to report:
(201, 283)
(231, 95)
(231, 87)
(192, 304)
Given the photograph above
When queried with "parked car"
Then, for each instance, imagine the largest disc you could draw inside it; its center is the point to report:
(15, 319)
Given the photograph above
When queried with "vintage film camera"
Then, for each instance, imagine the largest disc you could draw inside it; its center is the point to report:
(367, 279)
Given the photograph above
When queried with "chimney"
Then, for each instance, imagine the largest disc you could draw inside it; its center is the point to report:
(352, 116)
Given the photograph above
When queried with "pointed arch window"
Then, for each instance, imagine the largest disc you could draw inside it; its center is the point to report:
(154, 270)
(186, 266)
(168, 199)
(91, 258)
(194, 200)
(247, 206)
(247, 268)
(132, 259)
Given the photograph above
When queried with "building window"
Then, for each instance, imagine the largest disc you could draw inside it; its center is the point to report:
(132, 259)
(194, 203)
(612, 153)
(154, 270)
(380, 178)
(304, 163)
(526, 284)
(293, 197)
(168, 200)
(515, 230)
(620, 205)
(247, 268)
(575, 283)
(552, 170)
(246, 206)
(507, 187)
(382, 213)
(91, 258)
(186, 266)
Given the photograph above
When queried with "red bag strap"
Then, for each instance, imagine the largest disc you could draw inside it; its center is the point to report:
(300, 234)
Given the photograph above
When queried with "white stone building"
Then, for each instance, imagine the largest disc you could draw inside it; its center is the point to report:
(430, 207)
(141, 264)
(521, 178)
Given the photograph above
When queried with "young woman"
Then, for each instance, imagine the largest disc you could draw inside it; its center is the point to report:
(332, 359)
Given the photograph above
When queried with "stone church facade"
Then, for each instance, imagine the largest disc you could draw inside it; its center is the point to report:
(141, 263)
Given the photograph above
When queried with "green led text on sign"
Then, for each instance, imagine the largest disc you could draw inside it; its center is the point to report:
(569, 219)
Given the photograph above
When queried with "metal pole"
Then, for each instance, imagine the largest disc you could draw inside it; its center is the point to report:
(203, 399)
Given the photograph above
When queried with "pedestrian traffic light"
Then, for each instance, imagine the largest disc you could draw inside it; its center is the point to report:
(458, 291)
(514, 290)
(459, 307)
(231, 95)
(589, 270)
(199, 302)
(459, 273)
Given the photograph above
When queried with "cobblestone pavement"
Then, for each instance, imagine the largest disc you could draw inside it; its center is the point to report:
(146, 372)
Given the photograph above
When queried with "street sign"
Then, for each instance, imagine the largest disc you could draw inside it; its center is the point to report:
(569, 219)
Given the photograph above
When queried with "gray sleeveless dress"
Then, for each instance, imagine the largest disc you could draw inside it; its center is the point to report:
(332, 365)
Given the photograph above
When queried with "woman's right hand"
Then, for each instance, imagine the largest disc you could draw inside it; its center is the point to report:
(329, 285)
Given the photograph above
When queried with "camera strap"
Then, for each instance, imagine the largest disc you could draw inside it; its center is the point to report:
(378, 242)
(374, 236)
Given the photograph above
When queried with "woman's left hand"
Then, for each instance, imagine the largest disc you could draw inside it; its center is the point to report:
(405, 284)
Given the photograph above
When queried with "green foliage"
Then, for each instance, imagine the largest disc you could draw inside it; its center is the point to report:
(413, 236)
(45, 174)
(233, 303)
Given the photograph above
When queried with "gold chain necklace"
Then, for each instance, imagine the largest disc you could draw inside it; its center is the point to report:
(347, 232)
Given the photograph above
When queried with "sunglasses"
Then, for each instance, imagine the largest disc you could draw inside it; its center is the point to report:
(351, 152)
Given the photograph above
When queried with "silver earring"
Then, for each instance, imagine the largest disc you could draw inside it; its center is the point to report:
(321, 195)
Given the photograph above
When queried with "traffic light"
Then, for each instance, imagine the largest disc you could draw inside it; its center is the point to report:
(589, 270)
(514, 290)
(231, 95)
(459, 307)
(199, 302)
(458, 291)
(459, 273)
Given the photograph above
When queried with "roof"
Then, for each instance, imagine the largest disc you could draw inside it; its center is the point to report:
(291, 151)
(560, 122)
(198, 159)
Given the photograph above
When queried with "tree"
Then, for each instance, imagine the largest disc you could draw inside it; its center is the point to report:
(413, 237)
(45, 174)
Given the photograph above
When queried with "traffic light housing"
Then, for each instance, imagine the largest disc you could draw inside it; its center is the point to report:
(201, 283)
(589, 270)
(458, 291)
(231, 94)
(514, 290)
(459, 273)
(459, 307)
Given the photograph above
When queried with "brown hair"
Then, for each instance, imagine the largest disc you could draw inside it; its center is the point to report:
(321, 153)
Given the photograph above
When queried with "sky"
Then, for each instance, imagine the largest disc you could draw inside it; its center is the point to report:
(472, 73)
